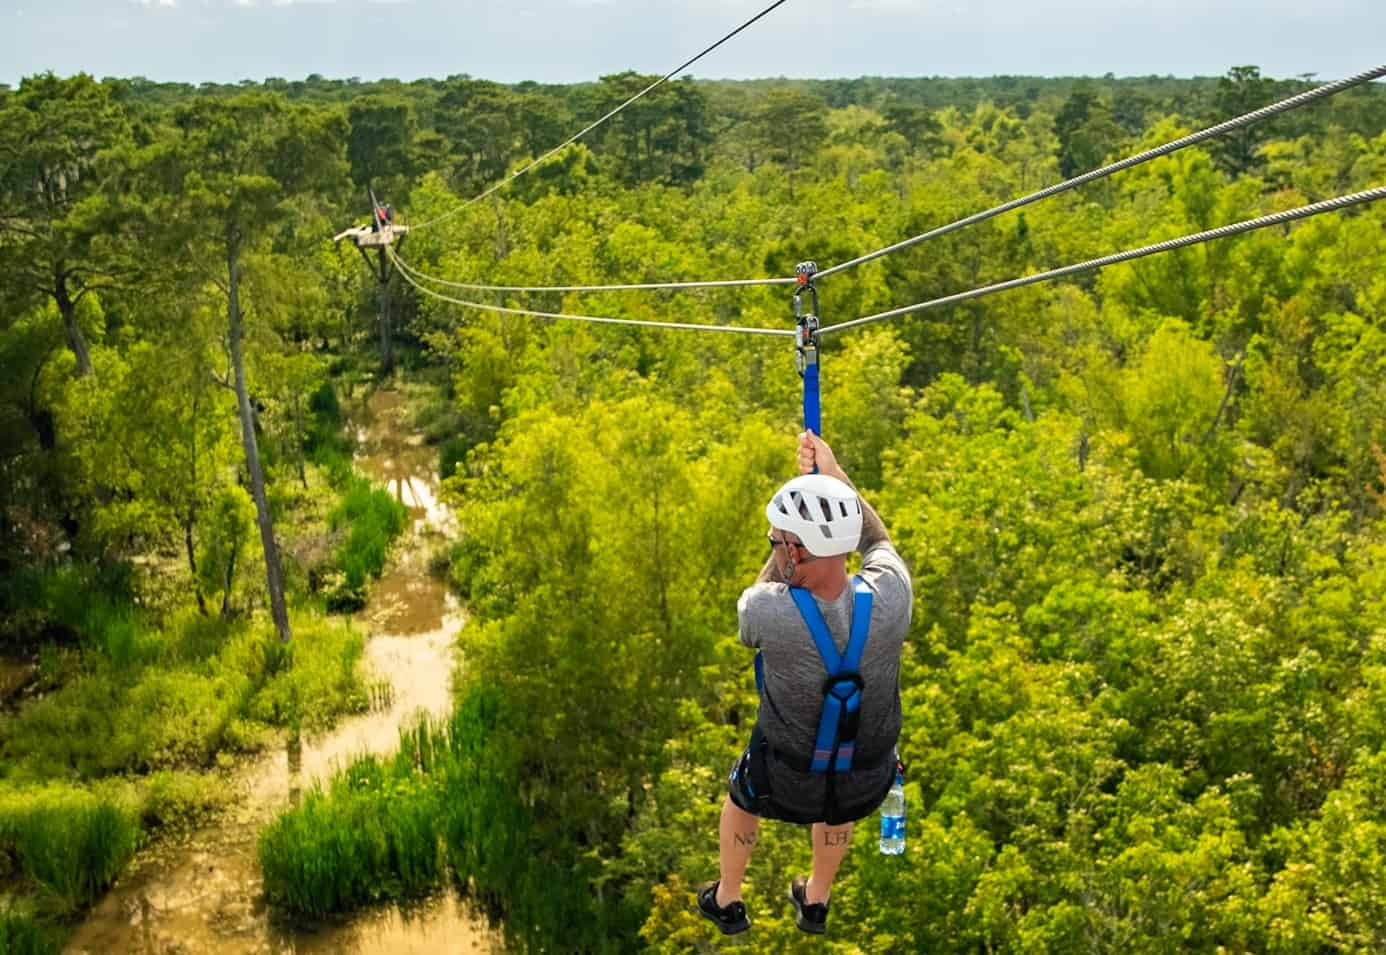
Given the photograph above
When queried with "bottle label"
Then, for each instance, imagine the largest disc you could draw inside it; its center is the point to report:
(892, 827)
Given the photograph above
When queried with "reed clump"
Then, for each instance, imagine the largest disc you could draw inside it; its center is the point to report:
(69, 842)
(21, 932)
(370, 835)
(374, 518)
(393, 827)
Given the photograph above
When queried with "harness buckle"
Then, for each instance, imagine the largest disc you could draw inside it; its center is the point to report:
(853, 684)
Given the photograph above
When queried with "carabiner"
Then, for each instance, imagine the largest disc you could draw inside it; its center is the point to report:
(806, 341)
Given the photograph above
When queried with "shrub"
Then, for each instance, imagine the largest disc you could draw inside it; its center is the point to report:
(175, 798)
(324, 406)
(327, 443)
(108, 721)
(335, 464)
(309, 683)
(99, 614)
(112, 720)
(451, 455)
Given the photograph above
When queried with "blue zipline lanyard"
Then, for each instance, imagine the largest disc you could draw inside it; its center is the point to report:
(806, 345)
(806, 358)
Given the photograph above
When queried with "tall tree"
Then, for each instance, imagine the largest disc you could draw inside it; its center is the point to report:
(661, 137)
(54, 134)
(378, 149)
(479, 119)
(792, 127)
(1087, 132)
(1242, 90)
(229, 176)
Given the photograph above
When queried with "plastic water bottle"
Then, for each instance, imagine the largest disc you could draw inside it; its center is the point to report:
(893, 818)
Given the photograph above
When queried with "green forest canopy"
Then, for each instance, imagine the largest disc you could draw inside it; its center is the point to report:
(1143, 508)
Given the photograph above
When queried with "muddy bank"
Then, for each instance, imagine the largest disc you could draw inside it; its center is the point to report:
(14, 676)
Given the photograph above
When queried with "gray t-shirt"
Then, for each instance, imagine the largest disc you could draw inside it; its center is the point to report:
(794, 673)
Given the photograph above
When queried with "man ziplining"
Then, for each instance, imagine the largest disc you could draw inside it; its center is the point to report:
(822, 751)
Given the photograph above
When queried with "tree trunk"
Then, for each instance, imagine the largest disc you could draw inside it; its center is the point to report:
(273, 574)
(68, 310)
(192, 565)
(190, 518)
(298, 439)
(230, 581)
(387, 357)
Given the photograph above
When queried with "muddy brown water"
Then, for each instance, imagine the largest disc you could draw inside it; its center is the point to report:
(203, 893)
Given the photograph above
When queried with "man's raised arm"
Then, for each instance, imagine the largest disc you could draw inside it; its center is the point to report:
(814, 452)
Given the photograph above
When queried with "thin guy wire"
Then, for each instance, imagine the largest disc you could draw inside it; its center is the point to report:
(405, 271)
(1328, 205)
(591, 126)
(728, 283)
(1264, 112)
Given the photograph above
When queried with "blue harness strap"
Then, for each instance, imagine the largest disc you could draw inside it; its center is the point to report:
(813, 412)
(837, 726)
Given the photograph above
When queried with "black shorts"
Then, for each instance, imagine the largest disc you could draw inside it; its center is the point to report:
(751, 787)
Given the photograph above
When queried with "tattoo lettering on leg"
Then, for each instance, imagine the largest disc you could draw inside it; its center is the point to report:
(837, 838)
(746, 838)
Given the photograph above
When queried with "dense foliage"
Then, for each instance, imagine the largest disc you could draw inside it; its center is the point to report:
(1143, 508)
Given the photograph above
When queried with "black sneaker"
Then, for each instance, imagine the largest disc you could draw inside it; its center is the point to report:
(731, 918)
(812, 918)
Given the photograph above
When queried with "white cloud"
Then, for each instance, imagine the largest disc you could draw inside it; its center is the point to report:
(156, 3)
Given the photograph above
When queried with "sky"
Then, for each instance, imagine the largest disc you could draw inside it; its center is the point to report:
(563, 41)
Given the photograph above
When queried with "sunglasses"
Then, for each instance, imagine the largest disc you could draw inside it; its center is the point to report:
(777, 542)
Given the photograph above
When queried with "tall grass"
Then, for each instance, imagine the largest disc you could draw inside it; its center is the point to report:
(373, 518)
(445, 805)
(372, 836)
(70, 842)
(22, 934)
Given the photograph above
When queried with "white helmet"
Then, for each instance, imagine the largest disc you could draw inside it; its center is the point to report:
(823, 511)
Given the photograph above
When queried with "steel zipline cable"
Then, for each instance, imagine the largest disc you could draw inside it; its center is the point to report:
(1169, 245)
(408, 273)
(1265, 112)
(1261, 222)
(593, 125)
(1247, 119)
(644, 286)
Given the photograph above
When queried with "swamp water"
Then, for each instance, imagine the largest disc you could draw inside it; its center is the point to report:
(203, 893)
